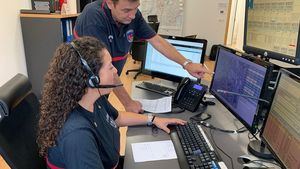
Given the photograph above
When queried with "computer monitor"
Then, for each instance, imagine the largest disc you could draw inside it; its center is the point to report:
(272, 29)
(157, 65)
(281, 131)
(240, 83)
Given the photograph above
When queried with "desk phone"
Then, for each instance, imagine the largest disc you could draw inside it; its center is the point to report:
(189, 94)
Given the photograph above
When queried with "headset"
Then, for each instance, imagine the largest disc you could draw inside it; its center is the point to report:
(93, 80)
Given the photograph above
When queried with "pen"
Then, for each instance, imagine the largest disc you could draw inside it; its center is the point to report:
(205, 66)
(208, 69)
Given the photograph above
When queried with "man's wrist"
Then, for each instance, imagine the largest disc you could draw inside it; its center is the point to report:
(185, 63)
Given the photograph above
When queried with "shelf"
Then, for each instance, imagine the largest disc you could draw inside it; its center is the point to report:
(51, 16)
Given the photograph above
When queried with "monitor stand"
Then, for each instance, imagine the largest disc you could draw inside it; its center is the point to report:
(259, 149)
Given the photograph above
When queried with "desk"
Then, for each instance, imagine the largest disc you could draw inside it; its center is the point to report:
(233, 144)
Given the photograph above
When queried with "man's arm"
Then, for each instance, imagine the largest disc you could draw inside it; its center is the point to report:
(195, 69)
(125, 99)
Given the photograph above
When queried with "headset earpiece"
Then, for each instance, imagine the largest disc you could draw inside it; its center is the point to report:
(93, 80)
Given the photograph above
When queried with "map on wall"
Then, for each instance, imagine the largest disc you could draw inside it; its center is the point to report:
(169, 13)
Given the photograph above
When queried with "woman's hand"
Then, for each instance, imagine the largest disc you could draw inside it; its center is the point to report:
(162, 123)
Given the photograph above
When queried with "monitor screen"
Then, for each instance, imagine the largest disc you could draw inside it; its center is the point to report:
(238, 83)
(272, 29)
(157, 65)
(284, 120)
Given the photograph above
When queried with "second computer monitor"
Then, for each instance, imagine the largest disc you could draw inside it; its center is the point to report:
(157, 65)
(239, 83)
(282, 129)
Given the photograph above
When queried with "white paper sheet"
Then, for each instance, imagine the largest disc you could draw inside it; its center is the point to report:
(153, 151)
(161, 105)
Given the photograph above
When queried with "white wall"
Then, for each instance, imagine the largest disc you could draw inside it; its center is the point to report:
(12, 57)
(202, 17)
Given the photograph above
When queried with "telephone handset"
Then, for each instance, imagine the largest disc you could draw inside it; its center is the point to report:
(189, 94)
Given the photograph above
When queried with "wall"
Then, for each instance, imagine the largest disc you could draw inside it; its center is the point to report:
(206, 24)
(202, 17)
(12, 57)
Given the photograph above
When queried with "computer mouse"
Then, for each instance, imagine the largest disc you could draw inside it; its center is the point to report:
(211, 103)
(244, 159)
(208, 103)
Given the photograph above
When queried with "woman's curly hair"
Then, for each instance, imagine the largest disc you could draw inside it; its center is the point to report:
(64, 85)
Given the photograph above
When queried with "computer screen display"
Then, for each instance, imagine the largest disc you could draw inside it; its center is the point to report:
(157, 65)
(282, 128)
(238, 83)
(272, 29)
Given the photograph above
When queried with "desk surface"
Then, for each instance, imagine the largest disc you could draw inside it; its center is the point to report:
(233, 144)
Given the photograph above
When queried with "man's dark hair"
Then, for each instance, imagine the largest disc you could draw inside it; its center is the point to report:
(116, 1)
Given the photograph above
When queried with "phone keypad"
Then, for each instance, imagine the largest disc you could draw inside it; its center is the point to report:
(190, 95)
(190, 101)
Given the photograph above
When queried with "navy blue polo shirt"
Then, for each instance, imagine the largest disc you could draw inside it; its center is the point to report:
(96, 20)
(87, 140)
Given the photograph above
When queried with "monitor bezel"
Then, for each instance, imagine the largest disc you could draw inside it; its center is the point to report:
(261, 105)
(168, 76)
(294, 76)
(267, 53)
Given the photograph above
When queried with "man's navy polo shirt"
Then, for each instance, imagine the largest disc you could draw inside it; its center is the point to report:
(96, 20)
(87, 140)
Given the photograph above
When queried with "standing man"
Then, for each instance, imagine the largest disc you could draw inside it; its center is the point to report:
(116, 22)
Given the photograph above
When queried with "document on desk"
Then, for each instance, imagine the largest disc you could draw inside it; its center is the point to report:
(162, 105)
(153, 151)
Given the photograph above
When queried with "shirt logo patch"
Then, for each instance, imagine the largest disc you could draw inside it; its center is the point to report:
(129, 35)
(110, 38)
(111, 121)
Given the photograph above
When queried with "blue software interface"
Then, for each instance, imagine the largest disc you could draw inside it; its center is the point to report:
(241, 76)
(157, 62)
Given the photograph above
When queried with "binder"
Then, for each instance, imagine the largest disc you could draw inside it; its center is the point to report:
(67, 29)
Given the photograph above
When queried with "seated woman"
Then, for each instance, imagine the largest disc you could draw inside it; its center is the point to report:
(78, 127)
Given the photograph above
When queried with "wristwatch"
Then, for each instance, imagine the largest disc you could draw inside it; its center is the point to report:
(150, 119)
(186, 62)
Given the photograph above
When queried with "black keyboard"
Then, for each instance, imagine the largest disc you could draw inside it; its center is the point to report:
(193, 149)
(156, 88)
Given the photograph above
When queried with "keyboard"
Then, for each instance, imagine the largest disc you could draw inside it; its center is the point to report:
(193, 148)
(156, 88)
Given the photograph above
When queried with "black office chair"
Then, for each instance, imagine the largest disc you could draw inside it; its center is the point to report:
(191, 36)
(213, 52)
(19, 111)
(139, 47)
(153, 22)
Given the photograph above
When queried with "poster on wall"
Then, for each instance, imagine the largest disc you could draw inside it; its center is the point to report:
(170, 14)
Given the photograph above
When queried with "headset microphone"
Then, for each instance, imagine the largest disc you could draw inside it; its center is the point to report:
(109, 86)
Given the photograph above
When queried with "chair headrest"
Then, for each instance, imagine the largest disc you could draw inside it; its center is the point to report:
(12, 93)
(152, 18)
